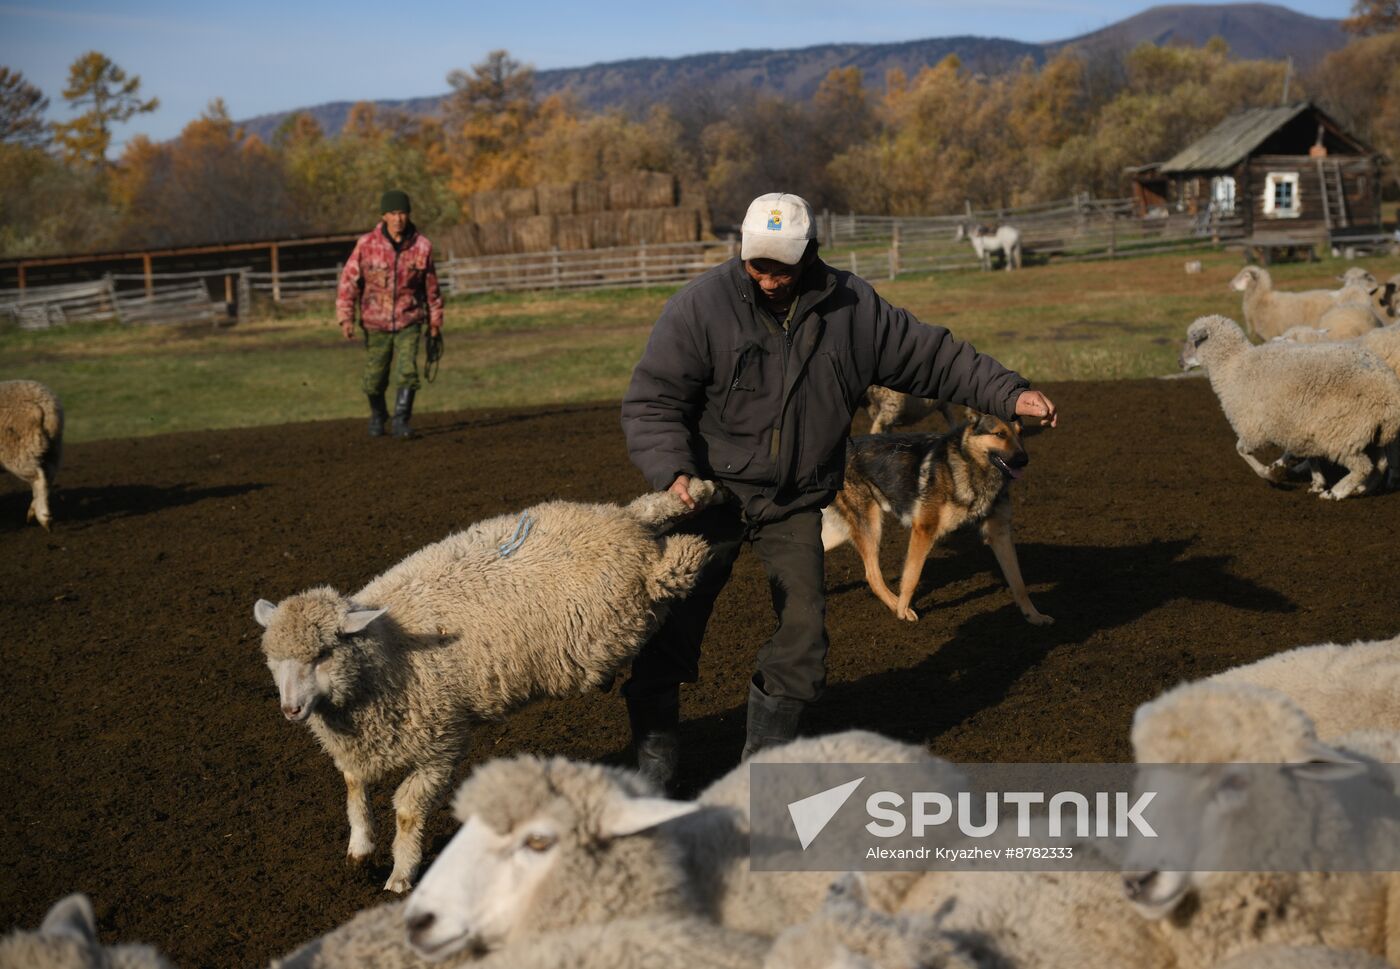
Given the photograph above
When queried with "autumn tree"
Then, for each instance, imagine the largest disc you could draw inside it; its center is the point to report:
(1359, 85)
(22, 107)
(1373, 17)
(109, 96)
(490, 118)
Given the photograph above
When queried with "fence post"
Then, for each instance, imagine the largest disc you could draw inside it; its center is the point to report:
(855, 268)
(554, 267)
(276, 279)
(146, 268)
(245, 295)
(642, 259)
(894, 251)
(1112, 235)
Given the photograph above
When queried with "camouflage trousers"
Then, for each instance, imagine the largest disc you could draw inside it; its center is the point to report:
(399, 349)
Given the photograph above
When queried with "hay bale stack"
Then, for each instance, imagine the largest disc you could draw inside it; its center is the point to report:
(679, 225)
(646, 225)
(535, 233)
(642, 190)
(519, 202)
(459, 241)
(555, 199)
(590, 197)
(487, 207)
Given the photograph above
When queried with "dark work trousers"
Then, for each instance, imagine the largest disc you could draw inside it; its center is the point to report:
(793, 661)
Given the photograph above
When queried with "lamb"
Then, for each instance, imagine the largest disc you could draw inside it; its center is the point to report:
(31, 440)
(549, 603)
(1341, 688)
(985, 240)
(67, 939)
(1269, 312)
(1353, 400)
(1204, 916)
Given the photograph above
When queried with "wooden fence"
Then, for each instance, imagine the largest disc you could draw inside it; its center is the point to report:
(128, 298)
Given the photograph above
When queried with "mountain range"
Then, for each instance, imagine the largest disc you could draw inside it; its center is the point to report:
(1253, 30)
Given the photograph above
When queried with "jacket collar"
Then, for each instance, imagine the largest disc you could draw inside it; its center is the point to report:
(410, 234)
(817, 283)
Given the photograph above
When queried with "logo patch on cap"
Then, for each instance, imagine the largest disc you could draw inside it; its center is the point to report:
(775, 220)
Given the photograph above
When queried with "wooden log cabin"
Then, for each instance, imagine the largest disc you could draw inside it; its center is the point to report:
(1290, 172)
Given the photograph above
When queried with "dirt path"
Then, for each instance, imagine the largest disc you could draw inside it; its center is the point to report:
(145, 762)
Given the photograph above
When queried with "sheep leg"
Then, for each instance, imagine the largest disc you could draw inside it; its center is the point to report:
(661, 508)
(39, 501)
(1358, 467)
(1249, 459)
(996, 532)
(361, 820)
(414, 799)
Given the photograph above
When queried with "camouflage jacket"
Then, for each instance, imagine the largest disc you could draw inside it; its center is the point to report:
(395, 289)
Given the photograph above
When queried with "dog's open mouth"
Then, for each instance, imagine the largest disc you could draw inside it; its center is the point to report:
(1006, 469)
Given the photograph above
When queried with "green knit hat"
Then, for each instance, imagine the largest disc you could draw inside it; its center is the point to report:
(394, 201)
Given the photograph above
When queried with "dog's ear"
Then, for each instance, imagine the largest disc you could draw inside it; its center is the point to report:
(1016, 423)
(985, 423)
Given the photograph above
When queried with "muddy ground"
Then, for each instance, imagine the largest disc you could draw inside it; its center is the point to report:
(144, 760)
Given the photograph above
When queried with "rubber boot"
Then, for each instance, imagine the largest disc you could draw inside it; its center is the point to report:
(772, 720)
(403, 410)
(378, 415)
(655, 721)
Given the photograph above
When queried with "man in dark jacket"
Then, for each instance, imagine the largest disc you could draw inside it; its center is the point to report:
(391, 277)
(750, 378)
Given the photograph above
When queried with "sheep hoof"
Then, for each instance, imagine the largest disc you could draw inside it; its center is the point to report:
(702, 491)
(1039, 619)
(397, 883)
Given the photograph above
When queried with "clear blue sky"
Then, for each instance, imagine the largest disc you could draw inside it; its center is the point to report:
(262, 56)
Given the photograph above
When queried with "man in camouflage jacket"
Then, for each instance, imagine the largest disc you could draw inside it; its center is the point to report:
(391, 276)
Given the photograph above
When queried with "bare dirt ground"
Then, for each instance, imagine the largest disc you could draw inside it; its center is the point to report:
(144, 759)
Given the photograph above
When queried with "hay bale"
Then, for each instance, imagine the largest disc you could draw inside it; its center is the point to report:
(534, 233)
(679, 225)
(646, 225)
(590, 197)
(519, 202)
(574, 232)
(642, 190)
(497, 238)
(555, 199)
(457, 242)
(488, 207)
(609, 229)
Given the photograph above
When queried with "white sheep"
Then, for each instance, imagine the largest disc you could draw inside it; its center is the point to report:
(1348, 321)
(1302, 957)
(1269, 312)
(1336, 401)
(1005, 239)
(67, 939)
(848, 934)
(715, 841)
(1340, 688)
(548, 603)
(1205, 916)
(1384, 342)
(31, 440)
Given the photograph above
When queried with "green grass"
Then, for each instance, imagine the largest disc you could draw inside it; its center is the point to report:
(1090, 321)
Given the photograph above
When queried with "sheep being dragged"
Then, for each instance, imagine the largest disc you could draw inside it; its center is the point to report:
(1269, 312)
(1205, 916)
(548, 603)
(1336, 401)
(31, 440)
(67, 939)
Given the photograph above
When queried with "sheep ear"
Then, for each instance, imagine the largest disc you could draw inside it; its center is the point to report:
(624, 816)
(357, 619)
(1327, 765)
(850, 887)
(262, 612)
(71, 918)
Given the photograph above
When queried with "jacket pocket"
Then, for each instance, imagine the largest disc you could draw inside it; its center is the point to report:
(728, 460)
(744, 378)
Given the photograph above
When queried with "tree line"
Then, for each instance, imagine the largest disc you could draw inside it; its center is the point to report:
(897, 145)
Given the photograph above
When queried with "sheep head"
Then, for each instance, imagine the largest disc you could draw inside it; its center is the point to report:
(1211, 338)
(545, 844)
(306, 640)
(1249, 277)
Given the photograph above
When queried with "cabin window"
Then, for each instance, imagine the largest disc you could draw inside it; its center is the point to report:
(1222, 194)
(1281, 195)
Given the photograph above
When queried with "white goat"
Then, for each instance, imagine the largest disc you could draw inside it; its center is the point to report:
(1005, 239)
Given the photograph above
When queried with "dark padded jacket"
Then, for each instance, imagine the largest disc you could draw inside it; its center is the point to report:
(723, 392)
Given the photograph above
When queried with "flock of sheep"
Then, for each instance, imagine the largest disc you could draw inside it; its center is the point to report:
(1324, 386)
(559, 863)
(562, 863)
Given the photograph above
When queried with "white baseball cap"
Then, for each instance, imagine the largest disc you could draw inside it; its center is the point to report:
(777, 226)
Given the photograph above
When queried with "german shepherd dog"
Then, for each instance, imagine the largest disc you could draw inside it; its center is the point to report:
(934, 483)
